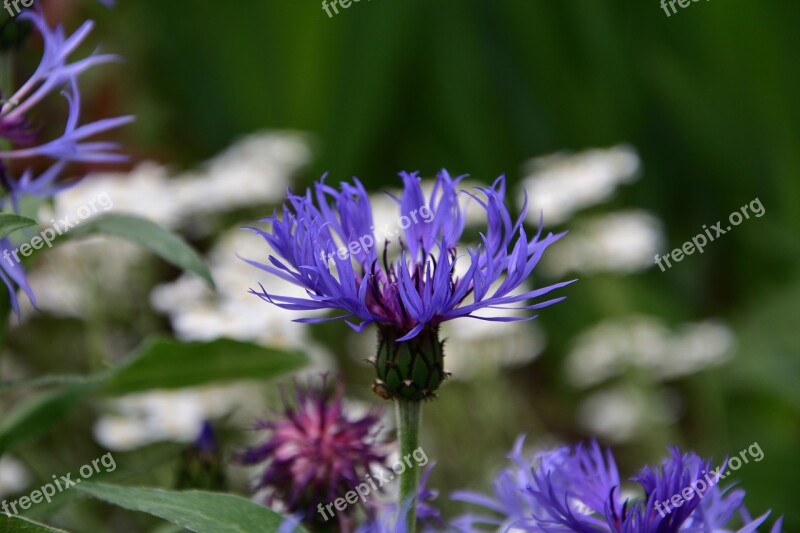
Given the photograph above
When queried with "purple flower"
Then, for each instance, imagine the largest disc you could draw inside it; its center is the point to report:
(578, 490)
(325, 242)
(315, 453)
(68, 147)
(54, 72)
(13, 275)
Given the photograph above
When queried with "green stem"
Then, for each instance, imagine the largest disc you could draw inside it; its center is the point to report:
(408, 421)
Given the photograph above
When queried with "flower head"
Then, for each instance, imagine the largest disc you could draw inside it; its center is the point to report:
(54, 73)
(326, 242)
(19, 137)
(578, 490)
(315, 452)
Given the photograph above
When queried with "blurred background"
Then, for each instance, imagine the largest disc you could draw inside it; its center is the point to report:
(628, 128)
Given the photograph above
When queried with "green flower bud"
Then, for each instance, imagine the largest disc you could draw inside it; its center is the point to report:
(410, 370)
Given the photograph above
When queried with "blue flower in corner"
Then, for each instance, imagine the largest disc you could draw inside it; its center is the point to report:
(20, 134)
(578, 490)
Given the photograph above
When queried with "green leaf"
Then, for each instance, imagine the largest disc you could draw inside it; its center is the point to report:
(199, 511)
(9, 223)
(38, 415)
(147, 233)
(20, 524)
(54, 379)
(164, 363)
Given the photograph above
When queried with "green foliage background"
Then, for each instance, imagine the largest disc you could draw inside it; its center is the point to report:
(707, 96)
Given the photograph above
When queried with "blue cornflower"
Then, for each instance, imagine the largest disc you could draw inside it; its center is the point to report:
(578, 490)
(13, 276)
(326, 242)
(54, 72)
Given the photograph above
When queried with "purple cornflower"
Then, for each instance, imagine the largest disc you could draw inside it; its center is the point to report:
(315, 453)
(13, 275)
(578, 490)
(54, 72)
(325, 242)
(20, 137)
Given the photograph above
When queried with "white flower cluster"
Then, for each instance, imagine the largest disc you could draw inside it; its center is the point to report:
(254, 171)
(643, 342)
(642, 345)
(561, 184)
(137, 420)
(621, 242)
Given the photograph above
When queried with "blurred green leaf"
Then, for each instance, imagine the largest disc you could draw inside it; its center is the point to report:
(9, 223)
(163, 363)
(44, 381)
(38, 415)
(768, 360)
(20, 524)
(202, 512)
(147, 233)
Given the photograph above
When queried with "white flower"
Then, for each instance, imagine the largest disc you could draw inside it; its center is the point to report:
(561, 184)
(611, 347)
(198, 313)
(14, 477)
(620, 414)
(254, 171)
(624, 242)
(67, 278)
(482, 345)
(137, 420)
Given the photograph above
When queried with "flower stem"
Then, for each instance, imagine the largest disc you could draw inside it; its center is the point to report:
(408, 421)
